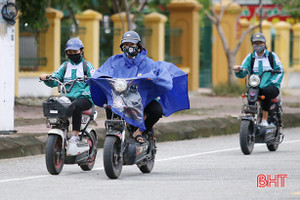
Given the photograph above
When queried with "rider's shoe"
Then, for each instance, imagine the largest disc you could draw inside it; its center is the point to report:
(74, 139)
(264, 123)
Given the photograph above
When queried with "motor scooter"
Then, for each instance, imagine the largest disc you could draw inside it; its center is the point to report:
(120, 148)
(59, 151)
(251, 131)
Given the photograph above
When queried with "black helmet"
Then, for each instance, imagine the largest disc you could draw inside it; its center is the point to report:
(258, 37)
(130, 36)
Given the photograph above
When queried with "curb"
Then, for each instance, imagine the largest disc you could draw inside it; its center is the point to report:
(18, 146)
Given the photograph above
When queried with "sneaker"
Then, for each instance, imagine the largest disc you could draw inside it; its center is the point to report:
(264, 123)
(74, 139)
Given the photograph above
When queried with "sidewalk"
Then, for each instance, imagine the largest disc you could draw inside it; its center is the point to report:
(209, 115)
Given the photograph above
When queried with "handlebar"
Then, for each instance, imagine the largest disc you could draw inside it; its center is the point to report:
(248, 72)
(240, 69)
(62, 86)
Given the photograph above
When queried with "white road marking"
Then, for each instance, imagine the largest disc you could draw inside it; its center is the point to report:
(197, 154)
(24, 178)
(160, 160)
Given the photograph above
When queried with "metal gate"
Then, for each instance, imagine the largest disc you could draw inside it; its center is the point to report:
(31, 55)
(205, 54)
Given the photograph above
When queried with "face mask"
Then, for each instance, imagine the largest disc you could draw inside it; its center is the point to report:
(259, 48)
(75, 58)
(131, 51)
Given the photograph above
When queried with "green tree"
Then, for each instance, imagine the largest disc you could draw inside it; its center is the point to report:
(292, 7)
(33, 13)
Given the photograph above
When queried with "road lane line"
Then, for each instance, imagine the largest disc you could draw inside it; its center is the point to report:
(25, 178)
(98, 169)
(197, 154)
(164, 159)
(218, 151)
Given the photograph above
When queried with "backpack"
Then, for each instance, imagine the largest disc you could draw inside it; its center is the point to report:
(270, 57)
(84, 67)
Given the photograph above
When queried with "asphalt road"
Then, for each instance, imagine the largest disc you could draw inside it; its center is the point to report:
(204, 168)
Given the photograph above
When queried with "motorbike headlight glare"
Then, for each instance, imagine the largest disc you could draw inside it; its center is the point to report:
(120, 85)
(254, 80)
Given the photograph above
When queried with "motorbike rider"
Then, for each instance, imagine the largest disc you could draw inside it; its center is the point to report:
(270, 83)
(74, 68)
(132, 63)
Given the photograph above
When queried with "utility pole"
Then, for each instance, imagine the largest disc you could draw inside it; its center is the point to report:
(7, 66)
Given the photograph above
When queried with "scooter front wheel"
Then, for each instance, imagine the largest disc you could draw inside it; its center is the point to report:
(247, 137)
(55, 156)
(111, 157)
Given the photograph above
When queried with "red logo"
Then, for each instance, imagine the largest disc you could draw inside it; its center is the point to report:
(267, 180)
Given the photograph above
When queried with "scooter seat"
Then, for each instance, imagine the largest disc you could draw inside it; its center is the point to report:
(87, 112)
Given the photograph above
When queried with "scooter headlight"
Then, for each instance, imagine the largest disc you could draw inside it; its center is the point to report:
(254, 80)
(52, 120)
(120, 85)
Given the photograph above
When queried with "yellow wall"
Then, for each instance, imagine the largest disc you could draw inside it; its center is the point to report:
(120, 27)
(185, 15)
(296, 46)
(52, 39)
(266, 30)
(91, 21)
(156, 22)
(282, 43)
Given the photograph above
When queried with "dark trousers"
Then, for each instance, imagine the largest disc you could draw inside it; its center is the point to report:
(269, 92)
(81, 104)
(153, 112)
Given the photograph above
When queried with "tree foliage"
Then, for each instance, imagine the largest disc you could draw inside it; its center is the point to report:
(33, 13)
(69, 7)
(291, 6)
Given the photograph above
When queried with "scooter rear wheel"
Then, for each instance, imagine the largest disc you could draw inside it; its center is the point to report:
(272, 147)
(93, 147)
(111, 157)
(55, 156)
(247, 137)
(148, 167)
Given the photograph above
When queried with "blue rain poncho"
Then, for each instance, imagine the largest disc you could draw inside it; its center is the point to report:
(157, 80)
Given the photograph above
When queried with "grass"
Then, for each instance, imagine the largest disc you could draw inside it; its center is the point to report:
(228, 90)
(292, 105)
(191, 111)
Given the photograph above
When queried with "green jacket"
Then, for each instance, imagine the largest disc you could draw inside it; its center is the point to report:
(262, 64)
(80, 89)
